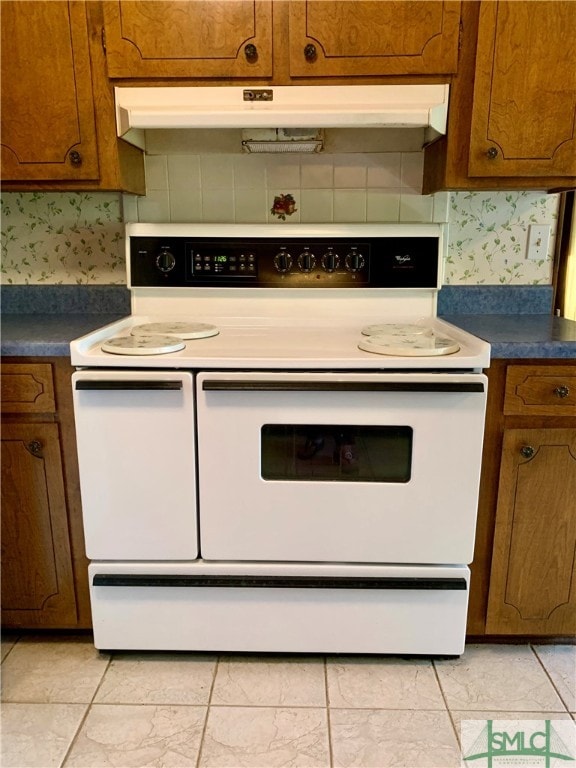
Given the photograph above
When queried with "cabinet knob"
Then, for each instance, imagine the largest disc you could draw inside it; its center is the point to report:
(492, 153)
(527, 451)
(35, 448)
(310, 53)
(562, 391)
(251, 52)
(75, 158)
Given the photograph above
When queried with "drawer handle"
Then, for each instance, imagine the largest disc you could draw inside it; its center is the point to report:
(310, 53)
(279, 582)
(527, 451)
(127, 385)
(562, 391)
(35, 448)
(251, 53)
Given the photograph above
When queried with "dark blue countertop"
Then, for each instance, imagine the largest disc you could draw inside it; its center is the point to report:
(47, 334)
(42, 320)
(522, 336)
(515, 320)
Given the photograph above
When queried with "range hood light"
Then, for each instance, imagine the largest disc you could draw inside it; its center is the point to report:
(282, 146)
(282, 140)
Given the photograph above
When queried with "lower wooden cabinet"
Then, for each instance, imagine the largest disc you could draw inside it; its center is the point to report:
(37, 577)
(44, 568)
(524, 569)
(533, 579)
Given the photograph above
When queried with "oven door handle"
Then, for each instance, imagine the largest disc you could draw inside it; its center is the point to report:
(127, 385)
(246, 385)
(276, 582)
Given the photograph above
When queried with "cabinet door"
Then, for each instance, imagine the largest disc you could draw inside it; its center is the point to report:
(524, 107)
(533, 579)
(191, 38)
(37, 578)
(386, 37)
(48, 127)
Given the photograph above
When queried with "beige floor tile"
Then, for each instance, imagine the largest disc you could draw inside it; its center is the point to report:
(38, 735)
(52, 670)
(272, 682)
(158, 679)
(245, 737)
(8, 641)
(372, 738)
(386, 683)
(560, 663)
(499, 678)
(120, 736)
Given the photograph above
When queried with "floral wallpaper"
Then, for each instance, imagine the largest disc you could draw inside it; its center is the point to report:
(62, 238)
(77, 238)
(488, 237)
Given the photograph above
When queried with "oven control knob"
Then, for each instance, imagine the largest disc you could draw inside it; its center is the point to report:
(306, 261)
(354, 261)
(330, 261)
(283, 261)
(165, 261)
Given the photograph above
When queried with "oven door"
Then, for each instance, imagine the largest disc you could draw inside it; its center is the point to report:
(136, 452)
(357, 468)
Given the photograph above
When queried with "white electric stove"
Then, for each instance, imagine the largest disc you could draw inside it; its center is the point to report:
(280, 447)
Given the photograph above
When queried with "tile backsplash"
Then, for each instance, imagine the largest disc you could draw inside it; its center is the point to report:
(78, 238)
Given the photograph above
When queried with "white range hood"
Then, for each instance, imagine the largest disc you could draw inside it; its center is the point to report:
(281, 107)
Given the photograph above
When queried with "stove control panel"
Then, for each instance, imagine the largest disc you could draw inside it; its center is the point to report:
(375, 262)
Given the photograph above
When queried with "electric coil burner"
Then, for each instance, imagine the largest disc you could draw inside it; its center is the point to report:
(280, 447)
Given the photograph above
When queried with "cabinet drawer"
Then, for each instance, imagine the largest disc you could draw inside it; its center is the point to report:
(541, 390)
(27, 388)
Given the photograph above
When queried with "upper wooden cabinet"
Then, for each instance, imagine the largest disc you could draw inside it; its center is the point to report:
(373, 38)
(58, 124)
(512, 116)
(48, 121)
(241, 39)
(204, 38)
(524, 106)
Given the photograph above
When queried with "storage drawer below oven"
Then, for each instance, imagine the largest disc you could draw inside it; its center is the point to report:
(279, 608)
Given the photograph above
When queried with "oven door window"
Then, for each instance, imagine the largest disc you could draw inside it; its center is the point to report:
(328, 452)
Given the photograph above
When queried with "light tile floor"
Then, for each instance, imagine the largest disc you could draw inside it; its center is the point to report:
(65, 704)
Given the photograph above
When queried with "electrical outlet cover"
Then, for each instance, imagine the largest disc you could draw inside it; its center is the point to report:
(538, 238)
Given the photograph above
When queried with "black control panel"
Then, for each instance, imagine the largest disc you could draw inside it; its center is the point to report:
(369, 262)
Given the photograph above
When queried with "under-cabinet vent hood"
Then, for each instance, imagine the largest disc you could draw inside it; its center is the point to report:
(139, 110)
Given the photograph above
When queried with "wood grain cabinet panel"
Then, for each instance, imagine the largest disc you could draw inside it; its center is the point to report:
(48, 122)
(524, 106)
(204, 38)
(373, 38)
(511, 122)
(27, 388)
(44, 564)
(541, 390)
(533, 576)
(37, 578)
